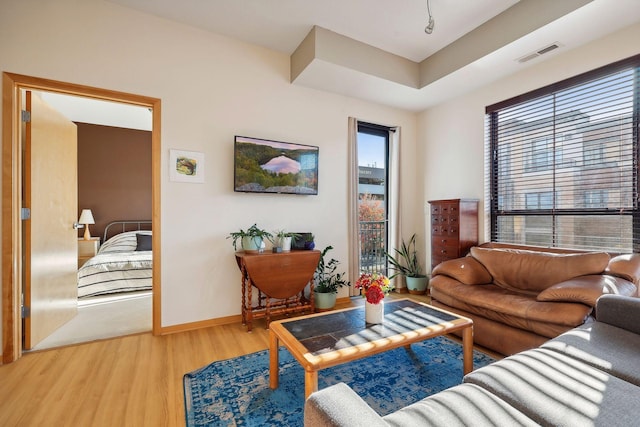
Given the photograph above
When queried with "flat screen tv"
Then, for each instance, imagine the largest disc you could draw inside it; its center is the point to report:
(264, 166)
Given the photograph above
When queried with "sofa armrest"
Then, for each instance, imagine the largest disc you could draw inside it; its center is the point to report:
(620, 311)
(339, 406)
(467, 270)
(626, 266)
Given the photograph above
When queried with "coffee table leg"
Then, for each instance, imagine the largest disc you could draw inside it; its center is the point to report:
(273, 360)
(467, 350)
(310, 382)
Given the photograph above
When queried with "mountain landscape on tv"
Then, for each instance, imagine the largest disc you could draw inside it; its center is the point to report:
(275, 167)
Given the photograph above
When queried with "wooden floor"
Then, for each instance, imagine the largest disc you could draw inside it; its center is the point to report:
(129, 381)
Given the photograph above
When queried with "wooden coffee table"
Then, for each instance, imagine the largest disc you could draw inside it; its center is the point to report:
(322, 340)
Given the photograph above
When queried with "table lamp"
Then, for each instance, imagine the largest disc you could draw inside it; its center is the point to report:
(86, 218)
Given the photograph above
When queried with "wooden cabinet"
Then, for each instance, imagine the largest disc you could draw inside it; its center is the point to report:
(454, 228)
(87, 249)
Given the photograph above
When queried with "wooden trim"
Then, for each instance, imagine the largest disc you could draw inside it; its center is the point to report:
(11, 338)
(11, 172)
(185, 327)
(156, 156)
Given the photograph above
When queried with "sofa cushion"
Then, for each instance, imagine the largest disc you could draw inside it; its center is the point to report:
(532, 271)
(511, 308)
(626, 266)
(466, 270)
(553, 389)
(603, 346)
(587, 289)
(462, 405)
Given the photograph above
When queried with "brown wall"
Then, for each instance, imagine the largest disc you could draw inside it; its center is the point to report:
(114, 174)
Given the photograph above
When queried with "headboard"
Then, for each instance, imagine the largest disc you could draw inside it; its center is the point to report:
(117, 227)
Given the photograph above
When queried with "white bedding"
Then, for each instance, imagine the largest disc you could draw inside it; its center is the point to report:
(118, 267)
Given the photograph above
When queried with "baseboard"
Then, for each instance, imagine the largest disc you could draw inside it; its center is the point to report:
(185, 327)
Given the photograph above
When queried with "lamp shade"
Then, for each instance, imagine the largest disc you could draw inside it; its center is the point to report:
(86, 217)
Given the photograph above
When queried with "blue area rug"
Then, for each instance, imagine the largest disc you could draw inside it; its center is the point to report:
(235, 392)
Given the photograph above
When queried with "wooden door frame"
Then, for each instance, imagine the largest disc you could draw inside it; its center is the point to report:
(12, 159)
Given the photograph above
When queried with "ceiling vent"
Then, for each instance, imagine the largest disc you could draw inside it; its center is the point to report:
(541, 51)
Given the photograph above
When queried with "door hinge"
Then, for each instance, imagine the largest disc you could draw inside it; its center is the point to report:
(26, 311)
(25, 213)
(26, 116)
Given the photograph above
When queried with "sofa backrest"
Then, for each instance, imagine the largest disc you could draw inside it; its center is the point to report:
(500, 245)
(534, 271)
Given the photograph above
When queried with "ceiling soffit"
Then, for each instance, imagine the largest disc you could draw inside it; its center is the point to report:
(323, 49)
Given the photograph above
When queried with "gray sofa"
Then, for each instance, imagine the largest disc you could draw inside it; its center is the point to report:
(588, 376)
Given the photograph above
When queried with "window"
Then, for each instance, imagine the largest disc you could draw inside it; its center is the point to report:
(373, 153)
(595, 198)
(539, 200)
(563, 168)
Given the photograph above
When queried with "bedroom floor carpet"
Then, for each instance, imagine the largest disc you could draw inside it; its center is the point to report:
(101, 319)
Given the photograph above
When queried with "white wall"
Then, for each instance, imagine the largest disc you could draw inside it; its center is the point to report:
(211, 88)
(451, 135)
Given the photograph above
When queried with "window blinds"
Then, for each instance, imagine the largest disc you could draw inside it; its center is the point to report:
(564, 163)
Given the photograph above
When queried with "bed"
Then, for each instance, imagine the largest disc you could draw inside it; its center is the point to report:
(123, 262)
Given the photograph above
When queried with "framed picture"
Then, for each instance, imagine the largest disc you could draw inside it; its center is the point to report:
(186, 166)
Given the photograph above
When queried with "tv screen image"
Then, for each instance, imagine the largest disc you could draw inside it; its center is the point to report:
(264, 166)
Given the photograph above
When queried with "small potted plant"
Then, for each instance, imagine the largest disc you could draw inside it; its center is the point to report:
(309, 242)
(250, 240)
(327, 281)
(283, 239)
(406, 263)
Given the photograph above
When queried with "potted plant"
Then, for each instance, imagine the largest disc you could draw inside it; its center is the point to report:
(309, 242)
(250, 240)
(283, 239)
(327, 281)
(406, 263)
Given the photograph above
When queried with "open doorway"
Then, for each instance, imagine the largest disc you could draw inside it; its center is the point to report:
(113, 168)
(12, 222)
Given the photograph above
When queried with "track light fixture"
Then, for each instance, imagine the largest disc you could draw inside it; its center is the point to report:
(429, 28)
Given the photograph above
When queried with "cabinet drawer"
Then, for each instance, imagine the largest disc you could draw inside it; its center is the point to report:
(439, 219)
(449, 209)
(450, 252)
(444, 220)
(88, 248)
(447, 230)
(444, 240)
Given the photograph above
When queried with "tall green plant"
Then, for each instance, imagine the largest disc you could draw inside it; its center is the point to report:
(326, 278)
(406, 260)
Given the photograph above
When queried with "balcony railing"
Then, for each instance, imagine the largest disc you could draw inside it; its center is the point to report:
(372, 246)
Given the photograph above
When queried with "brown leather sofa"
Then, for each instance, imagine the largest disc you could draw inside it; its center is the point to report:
(521, 296)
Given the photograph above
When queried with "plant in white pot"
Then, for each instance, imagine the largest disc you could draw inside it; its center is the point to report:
(405, 263)
(327, 282)
(250, 240)
(283, 239)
